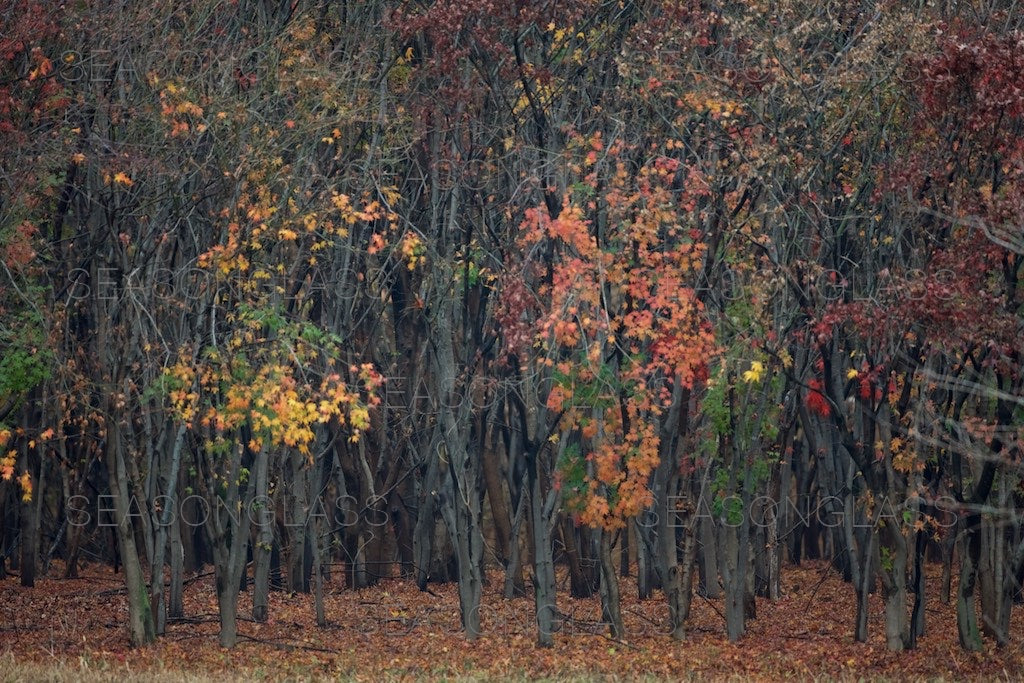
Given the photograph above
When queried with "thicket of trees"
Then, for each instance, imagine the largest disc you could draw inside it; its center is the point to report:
(667, 287)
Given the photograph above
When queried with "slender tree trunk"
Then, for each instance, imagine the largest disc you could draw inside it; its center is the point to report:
(298, 525)
(949, 545)
(894, 588)
(264, 511)
(29, 541)
(496, 500)
(995, 603)
(227, 606)
(318, 574)
(38, 496)
(162, 525)
(729, 550)
(867, 553)
(542, 512)
(462, 508)
(228, 526)
(708, 564)
(29, 516)
(514, 583)
(579, 587)
(141, 628)
(175, 602)
(966, 619)
(423, 531)
(670, 518)
(646, 581)
(688, 566)
(611, 612)
(917, 616)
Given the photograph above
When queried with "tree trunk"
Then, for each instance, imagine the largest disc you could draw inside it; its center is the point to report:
(579, 586)
(708, 585)
(264, 510)
(228, 527)
(162, 523)
(298, 525)
(514, 583)
(917, 618)
(29, 541)
(462, 507)
(227, 606)
(318, 574)
(141, 628)
(496, 500)
(949, 546)
(29, 514)
(175, 602)
(646, 581)
(893, 572)
(542, 512)
(423, 531)
(966, 620)
(670, 519)
(863, 588)
(611, 612)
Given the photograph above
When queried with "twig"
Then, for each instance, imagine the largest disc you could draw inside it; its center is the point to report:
(824, 577)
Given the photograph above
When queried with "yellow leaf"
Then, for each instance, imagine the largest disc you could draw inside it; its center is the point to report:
(25, 481)
(851, 373)
(754, 373)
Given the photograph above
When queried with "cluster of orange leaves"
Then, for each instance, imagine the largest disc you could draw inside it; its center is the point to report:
(7, 467)
(622, 299)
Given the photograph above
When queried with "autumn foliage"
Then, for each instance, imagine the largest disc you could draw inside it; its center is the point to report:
(694, 308)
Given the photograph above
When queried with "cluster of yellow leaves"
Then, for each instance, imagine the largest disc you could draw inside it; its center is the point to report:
(184, 401)
(116, 178)
(561, 38)
(25, 482)
(904, 456)
(279, 408)
(753, 375)
(413, 251)
(7, 467)
(7, 461)
(224, 259)
(179, 112)
(717, 107)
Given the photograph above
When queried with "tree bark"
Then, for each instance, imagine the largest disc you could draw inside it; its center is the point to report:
(141, 628)
(264, 510)
(611, 612)
(542, 515)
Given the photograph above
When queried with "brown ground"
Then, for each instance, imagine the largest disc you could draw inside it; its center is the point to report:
(68, 629)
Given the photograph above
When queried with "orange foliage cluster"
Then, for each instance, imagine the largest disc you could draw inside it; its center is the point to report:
(621, 303)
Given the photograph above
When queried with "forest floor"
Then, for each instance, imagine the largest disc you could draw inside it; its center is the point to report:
(75, 629)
